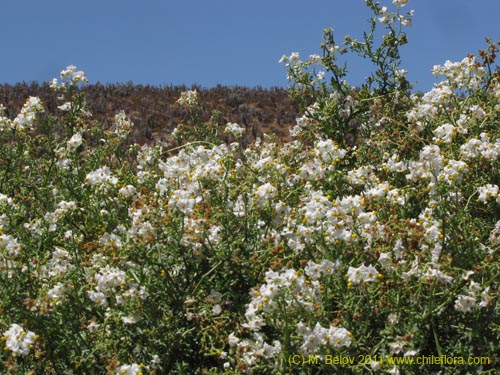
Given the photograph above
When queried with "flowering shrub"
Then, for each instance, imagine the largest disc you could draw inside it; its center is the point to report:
(374, 232)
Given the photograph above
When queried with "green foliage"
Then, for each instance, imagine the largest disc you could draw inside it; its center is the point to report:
(372, 236)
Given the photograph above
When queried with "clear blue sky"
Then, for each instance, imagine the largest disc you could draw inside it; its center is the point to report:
(207, 42)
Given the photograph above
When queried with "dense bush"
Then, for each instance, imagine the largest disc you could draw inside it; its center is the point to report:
(373, 235)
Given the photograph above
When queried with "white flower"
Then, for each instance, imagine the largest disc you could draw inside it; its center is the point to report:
(74, 142)
(438, 275)
(130, 319)
(93, 326)
(216, 310)
(495, 234)
(397, 346)
(155, 360)
(65, 107)
(375, 365)
(393, 318)
(109, 278)
(385, 15)
(132, 369)
(453, 172)
(233, 340)
(465, 303)
(477, 112)
(98, 297)
(339, 336)
(294, 57)
(326, 267)
(264, 193)
(400, 3)
(54, 84)
(284, 58)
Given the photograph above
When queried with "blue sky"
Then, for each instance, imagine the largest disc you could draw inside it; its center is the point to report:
(210, 42)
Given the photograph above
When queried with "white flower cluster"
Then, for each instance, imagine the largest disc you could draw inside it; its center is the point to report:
(461, 74)
(10, 244)
(290, 289)
(264, 194)
(199, 233)
(190, 166)
(467, 302)
(69, 77)
(400, 3)
(127, 191)
(325, 156)
(362, 175)
(107, 279)
(428, 166)
(57, 267)
(52, 218)
(19, 341)
(234, 129)
(362, 274)
(254, 350)
(59, 263)
(122, 125)
(141, 228)
(481, 147)
(386, 17)
(378, 206)
(58, 291)
(74, 142)
(334, 337)
(188, 98)
(427, 107)
(133, 369)
(183, 200)
(26, 117)
(101, 177)
(488, 191)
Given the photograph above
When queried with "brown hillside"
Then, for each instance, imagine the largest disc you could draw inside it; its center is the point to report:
(154, 110)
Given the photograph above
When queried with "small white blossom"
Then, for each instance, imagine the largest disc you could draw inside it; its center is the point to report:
(74, 142)
(465, 303)
(400, 3)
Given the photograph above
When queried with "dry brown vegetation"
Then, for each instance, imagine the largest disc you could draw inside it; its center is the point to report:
(154, 110)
